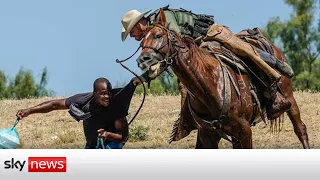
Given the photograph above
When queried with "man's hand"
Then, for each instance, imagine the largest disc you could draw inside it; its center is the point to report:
(23, 113)
(44, 107)
(144, 77)
(137, 82)
(103, 134)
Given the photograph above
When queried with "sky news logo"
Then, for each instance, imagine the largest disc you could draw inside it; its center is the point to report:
(38, 164)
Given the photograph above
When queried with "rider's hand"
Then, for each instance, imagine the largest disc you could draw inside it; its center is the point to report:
(23, 113)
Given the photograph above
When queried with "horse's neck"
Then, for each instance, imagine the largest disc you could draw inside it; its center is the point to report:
(197, 82)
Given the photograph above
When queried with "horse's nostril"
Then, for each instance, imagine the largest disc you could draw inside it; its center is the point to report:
(146, 58)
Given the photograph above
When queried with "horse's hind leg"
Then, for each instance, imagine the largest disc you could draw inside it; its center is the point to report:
(299, 127)
(294, 114)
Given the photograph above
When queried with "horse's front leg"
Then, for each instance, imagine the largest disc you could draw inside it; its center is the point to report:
(207, 140)
(236, 144)
(183, 92)
(242, 134)
(199, 144)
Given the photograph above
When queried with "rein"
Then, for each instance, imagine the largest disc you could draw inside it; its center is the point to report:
(144, 88)
(167, 59)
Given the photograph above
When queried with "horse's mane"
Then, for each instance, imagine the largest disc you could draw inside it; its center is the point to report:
(201, 59)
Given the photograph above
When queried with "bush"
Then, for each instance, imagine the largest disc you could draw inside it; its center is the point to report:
(138, 133)
(164, 84)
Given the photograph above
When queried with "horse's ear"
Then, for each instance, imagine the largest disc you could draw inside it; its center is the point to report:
(163, 19)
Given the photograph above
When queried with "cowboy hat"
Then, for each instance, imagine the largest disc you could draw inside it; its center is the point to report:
(129, 20)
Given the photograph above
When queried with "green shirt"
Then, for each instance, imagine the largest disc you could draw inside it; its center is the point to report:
(178, 20)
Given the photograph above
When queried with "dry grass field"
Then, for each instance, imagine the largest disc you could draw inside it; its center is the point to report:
(57, 130)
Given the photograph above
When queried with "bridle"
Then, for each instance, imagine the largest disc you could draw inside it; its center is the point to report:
(171, 43)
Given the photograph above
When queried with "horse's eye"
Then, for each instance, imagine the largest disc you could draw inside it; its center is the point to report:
(158, 36)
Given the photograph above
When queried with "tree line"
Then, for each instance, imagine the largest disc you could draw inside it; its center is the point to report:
(23, 85)
(298, 38)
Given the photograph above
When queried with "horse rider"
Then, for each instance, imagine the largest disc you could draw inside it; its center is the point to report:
(102, 111)
(203, 27)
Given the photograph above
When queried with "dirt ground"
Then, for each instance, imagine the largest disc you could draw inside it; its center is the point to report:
(57, 130)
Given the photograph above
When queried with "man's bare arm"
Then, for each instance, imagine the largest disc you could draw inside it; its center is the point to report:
(121, 125)
(44, 107)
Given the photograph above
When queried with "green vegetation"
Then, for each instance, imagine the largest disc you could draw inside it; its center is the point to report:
(138, 133)
(299, 39)
(23, 85)
(164, 84)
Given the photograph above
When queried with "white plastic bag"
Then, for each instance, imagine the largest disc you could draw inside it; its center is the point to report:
(9, 138)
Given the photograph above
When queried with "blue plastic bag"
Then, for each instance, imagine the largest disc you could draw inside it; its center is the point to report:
(9, 138)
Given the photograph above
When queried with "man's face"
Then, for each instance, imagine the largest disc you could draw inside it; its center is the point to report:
(103, 94)
(136, 32)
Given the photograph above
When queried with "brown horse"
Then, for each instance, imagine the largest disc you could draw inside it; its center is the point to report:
(216, 107)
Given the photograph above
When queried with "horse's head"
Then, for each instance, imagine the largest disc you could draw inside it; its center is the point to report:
(157, 53)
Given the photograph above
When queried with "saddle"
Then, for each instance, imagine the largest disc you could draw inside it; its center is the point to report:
(256, 38)
(251, 36)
